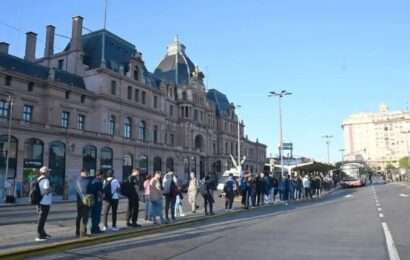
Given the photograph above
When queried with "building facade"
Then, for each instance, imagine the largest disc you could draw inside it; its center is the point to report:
(379, 138)
(95, 106)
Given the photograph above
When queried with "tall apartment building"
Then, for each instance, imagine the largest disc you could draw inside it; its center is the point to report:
(95, 106)
(379, 138)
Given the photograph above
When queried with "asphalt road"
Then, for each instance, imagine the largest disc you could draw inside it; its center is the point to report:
(345, 225)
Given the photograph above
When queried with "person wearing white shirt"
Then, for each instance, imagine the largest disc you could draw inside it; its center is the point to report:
(45, 202)
(112, 201)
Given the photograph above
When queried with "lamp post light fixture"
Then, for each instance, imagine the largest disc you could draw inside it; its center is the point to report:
(280, 95)
(328, 138)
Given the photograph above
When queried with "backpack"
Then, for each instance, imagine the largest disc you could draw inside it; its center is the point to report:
(107, 193)
(228, 187)
(167, 184)
(202, 188)
(125, 188)
(35, 193)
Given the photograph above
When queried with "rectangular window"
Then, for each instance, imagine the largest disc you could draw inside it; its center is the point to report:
(65, 117)
(4, 109)
(137, 95)
(60, 64)
(172, 139)
(27, 113)
(30, 86)
(155, 102)
(80, 121)
(143, 97)
(129, 93)
(195, 115)
(171, 110)
(113, 87)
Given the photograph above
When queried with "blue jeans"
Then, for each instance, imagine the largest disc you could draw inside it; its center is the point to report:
(96, 217)
(156, 210)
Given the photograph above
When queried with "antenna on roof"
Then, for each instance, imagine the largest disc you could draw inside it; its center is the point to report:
(103, 35)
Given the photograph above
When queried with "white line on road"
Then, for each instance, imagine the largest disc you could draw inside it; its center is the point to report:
(404, 195)
(381, 215)
(379, 209)
(377, 204)
(391, 247)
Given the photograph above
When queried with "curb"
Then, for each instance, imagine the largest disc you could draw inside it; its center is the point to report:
(59, 247)
(84, 242)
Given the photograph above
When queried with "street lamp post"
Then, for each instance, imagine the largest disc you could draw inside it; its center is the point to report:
(280, 95)
(327, 138)
(239, 141)
(6, 173)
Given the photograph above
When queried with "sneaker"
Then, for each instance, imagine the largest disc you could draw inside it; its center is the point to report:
(115, 229)
(104, 228)
(47, 236)
(41, 239)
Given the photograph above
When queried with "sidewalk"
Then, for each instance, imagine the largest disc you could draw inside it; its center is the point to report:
(22, 236)
(26, 201)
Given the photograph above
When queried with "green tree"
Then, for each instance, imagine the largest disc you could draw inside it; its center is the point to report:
(404, 162)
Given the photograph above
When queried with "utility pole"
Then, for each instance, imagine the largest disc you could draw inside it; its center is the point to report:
(10, 115)
(239, 139)
(280, 95)
(328, 138)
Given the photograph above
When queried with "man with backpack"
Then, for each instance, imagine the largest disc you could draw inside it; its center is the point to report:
(170, 193)
(111, 191)
(206, 192)
(229, 190)
(42, 197)
(85, 201)
(129, 190)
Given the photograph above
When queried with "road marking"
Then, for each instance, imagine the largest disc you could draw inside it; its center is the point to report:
(404, 195)
(349, 196)
(377, 204)
(381, 215)
(391, 247)
(379, 209)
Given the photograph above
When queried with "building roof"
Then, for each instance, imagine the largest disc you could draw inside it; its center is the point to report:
(176, 67)
(15, 64)
(118, 53)
(220, 101)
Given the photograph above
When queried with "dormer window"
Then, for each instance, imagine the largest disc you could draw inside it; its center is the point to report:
(136, 73)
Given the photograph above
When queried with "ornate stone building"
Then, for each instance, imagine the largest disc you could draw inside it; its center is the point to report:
(96, 106)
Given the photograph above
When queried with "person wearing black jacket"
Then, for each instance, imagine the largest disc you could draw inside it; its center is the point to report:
(83, 188)
(130, 188)
(97, 191)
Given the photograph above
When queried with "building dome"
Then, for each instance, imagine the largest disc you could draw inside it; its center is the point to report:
(176, 67)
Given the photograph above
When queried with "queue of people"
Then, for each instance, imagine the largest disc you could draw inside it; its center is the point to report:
(99, 195)
(163, 196)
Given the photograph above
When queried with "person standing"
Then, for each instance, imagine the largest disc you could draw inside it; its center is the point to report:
(299, 187)
(130, 188)
(205, 190)
(193, 192)
(229, 190)
(306, 186)
(156, 197)
(179, 210)
(97, 191)
(275, 184)
(111, 199)
(44, 206)
(259, 189)
(170, 193)
(84, 203)
(147, 206)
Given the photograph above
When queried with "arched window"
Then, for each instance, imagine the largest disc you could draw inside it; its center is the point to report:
(106, 159)
(142, 128)
(127, 127)
(157, 164)
(143, 165)
(111, 125)
(199, 143)
(170, 164)
(33, 153)
(127, 166)
(136, 73)
(90, 159)
(12, 167)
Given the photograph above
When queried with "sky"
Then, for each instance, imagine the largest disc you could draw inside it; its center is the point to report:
(337, 57)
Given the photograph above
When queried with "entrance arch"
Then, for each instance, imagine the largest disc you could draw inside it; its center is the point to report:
(199, 143)
(157, 164)
(12, 167)
(56, 162)
(127, 166)
(170, 164)
(90, 159)
(33, 160)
